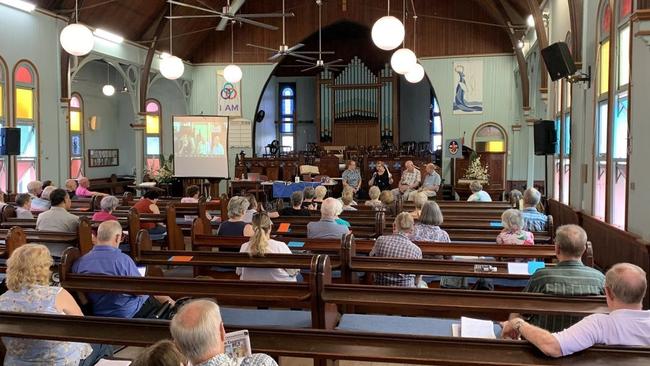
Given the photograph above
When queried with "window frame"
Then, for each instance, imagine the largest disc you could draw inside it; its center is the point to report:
(282, 118)
(159, 114)
(81, 134)
(435, 114)
(35, 121)
(5, 119)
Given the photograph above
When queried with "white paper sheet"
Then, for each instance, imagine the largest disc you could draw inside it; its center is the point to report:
(104, 362)
(476, 328)
(518, 268)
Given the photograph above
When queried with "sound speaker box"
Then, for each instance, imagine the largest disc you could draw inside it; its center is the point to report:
(558, 61)
(545, 138)
(9, 141)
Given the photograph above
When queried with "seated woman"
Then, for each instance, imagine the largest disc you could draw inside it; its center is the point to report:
(261, 244)
(24, 206)
(29, 291)
(320, 192)
(387, 203)
(108, 205)
(148, 204)
(374, 193)
(516, 199)
(296, 208)
(512, 232)
(428, 228)
(347, 199)
(191, 194)
(308, 195)
(161, 353)
(254, 207)
(347, 190)
(419, 199)
(478, 194)
(43, 203)
(381, 178)
(235, 225)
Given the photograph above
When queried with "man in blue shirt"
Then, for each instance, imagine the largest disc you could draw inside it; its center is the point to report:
(106, 259)
(533, 219)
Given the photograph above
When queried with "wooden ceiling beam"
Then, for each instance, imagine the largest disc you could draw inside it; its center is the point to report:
(540, 30)
(575, 14)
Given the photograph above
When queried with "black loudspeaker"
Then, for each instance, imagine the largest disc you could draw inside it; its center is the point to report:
(545, 138)
(9, 141)
(559, 61)
(259, 116)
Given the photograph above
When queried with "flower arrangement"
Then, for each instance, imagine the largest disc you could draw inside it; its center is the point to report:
(475, 170)
(165, 174)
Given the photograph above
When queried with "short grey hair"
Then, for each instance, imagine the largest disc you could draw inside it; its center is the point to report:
(330, 207)
(35, 187)
(627, 283)
(47, 192)
(309, 193)
(404, 222)
(475, 186)
(431, 214)
(107, 230)
(374, 192)
(296, 198)
(320, 192)
(237, 206)
(571, 240)
(512, 219)
(109, 203)
(196, 329)
(532, 197)
(420, 199)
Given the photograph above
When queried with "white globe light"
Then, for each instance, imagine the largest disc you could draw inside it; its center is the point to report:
(172, 67)
(387, 33)
(232, 73)
(415, 75)
(77, 40)
(403, 60)
(108, 90)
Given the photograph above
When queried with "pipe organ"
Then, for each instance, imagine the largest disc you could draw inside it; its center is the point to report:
(356, 106)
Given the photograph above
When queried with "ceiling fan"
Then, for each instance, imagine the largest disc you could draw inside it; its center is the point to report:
(229, 13)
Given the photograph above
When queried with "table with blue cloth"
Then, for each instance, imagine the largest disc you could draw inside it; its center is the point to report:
(285, 189)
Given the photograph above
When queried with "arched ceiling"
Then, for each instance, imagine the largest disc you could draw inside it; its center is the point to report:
(445, 27)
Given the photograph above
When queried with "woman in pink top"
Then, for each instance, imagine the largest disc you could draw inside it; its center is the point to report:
(512, 232)
(108, 204)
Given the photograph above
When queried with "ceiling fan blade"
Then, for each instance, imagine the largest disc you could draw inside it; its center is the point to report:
(309, 68)
(275, 57)
(193, 16)
(267, 15)
(295, 47)
(315, 52)
(301, 56)
(261, 47)
(196, 7)
(333, 62)
(222, 24)
(304, 62)
(255, 23)
(233, 9)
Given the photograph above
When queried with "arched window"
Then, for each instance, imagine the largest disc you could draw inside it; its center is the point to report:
(4, 110)
(27, 119)
(76, 118)
(610, 174)
(153, 135)
(490, 137)
(287, 115)
(436, 124)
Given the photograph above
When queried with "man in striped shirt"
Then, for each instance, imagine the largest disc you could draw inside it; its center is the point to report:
(569, 277)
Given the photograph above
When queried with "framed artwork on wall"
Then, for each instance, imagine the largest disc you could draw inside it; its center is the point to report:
(103, 157)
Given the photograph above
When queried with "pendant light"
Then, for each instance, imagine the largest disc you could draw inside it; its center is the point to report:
(403, 59)
(387, 32)
(108, 89)
(232, 73)
(76, 39)
(416, 73)
(171, 67)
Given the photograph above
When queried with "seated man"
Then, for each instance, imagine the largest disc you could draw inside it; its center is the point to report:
(430, 183)
(626, 324)
(197, 330)
(569, 277)
(71, 186)
(34, 188)
(40, 201)
(57, 218)
(326, 227)
(397, 245)
(83, 191)
(296, 208)
(409, 182)
(533, 219)
(107, 259)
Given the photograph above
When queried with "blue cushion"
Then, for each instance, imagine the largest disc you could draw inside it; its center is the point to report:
(401, 325)
(157, 237)
(278, 318)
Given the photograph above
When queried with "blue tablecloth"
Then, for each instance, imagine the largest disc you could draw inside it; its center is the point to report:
(284, 190)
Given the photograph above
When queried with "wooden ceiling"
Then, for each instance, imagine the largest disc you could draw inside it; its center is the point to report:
(444, 27)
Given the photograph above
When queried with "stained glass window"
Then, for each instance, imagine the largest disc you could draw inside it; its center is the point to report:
(27, 119)
(75, 109)
(287, 115)
(153, 135)
(603, 85)
(625, 8)
(624, 56)
(3, 123)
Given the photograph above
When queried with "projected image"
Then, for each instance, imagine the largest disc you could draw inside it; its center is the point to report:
(196, 139)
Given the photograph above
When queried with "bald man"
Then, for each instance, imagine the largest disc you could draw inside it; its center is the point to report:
(409, 182)
(198, 332)
(626, 324)
(83, 191)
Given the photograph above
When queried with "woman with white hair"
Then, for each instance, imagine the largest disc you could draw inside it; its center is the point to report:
(478, 194)
(513, 232)
(319, 194)
(235, 225)
(419, 199)
(108, 205)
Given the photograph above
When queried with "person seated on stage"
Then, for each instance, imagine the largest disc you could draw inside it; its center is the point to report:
(71, 187)
(347, 199)
(533, 219)
(255, 207)
(397, 245)
(419, 199)
(388, 203)
(428, 227)
(83, 191)
(430, 183)
(161, 353)
(478, 194)
(191, 194)
(148, 204)
(107, 259)
(409, 182)
(108, 205)
(374, 192)
(261, 244)
(351, 177)
(327, 227)
(42, 203)
(24, 206)
(516, 199)
(381, 178)
(29, 291)
(569, 277)
(235, 225)
(296, 208)
(308, 195)
(513, 232)
(57, 218)
(627, 324)
(197, 330)
(320, 192)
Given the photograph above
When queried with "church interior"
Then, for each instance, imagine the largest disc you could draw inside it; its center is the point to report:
(353, 182)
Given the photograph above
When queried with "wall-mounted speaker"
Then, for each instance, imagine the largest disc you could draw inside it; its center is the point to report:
(259, 116)
(9, 141)
(545, 138)
(558, 61)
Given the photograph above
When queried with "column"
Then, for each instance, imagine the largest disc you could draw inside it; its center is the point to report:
(530, 154)
(515, 153)
(138, 133)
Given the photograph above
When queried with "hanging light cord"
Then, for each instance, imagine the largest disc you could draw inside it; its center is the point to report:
(388, 7)
(404, 22)
(284, 41)
(415, 19)
(108, 73)
(171, 39)
(232, 43)
(320, 5)
(76, 11)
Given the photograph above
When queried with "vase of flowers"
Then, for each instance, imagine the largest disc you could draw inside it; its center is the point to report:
(164, 174)
(475, 171)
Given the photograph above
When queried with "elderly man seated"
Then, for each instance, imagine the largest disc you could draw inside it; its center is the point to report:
(57, 218)
(83, 191)
(533, 219)
(40, 198)
(430, 183)
(326, 227)
(626, 324)
(409, 182)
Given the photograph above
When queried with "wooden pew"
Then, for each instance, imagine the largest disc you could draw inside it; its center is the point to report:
(320, 344)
